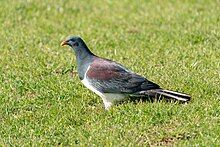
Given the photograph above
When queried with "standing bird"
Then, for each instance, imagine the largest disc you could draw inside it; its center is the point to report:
(112, 81)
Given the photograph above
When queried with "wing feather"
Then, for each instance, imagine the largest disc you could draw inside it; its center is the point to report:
(111, 77)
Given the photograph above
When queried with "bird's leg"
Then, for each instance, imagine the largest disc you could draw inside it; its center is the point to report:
(107, 102)
(107, 106)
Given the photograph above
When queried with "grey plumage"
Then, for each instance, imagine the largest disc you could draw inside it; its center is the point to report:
(111, 80)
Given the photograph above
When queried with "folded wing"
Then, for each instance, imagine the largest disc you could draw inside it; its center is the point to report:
(110, 77)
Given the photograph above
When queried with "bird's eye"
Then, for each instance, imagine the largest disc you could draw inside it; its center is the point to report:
(76, 44)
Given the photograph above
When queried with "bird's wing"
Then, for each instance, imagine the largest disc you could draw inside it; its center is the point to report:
(110, 77)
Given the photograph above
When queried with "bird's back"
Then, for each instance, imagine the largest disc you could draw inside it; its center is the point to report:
(111, 77)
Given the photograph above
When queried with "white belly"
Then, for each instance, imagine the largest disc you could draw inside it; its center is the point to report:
(108, 98)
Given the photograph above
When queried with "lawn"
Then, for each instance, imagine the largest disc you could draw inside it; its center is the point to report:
(173, 43)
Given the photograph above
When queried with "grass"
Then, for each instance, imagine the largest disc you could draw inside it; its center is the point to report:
(173, 43)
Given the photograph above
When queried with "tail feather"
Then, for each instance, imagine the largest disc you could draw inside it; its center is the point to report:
(157, 93)
(176, 93)
(173, 95)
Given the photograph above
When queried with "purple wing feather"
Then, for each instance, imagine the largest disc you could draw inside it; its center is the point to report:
(111, 77)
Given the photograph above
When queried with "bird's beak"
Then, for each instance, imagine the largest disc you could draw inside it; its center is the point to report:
(65, 42)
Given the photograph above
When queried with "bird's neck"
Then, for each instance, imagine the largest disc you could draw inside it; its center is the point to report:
(84, 58)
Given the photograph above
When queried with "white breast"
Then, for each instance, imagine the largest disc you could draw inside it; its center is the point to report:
(89, 86)
(108, 98)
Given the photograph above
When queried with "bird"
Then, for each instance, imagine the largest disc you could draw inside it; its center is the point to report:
(112, 81)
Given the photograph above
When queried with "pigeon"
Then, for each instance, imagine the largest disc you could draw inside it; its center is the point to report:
(112, 81)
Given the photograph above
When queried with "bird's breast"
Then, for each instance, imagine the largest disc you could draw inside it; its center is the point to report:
(91, 87)
(111, 97)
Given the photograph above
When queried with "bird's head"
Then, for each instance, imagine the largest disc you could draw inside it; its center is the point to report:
(78, 46)
(74, 42)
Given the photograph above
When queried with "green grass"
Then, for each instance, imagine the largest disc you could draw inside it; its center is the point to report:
(173, 43)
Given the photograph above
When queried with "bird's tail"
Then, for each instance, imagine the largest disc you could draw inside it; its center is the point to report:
(157, 93)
